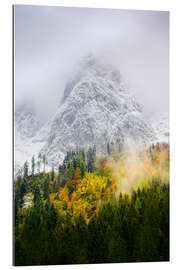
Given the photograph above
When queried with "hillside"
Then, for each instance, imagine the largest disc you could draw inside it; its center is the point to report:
(95, 209)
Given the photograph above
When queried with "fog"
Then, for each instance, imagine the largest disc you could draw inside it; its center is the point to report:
(49, 41)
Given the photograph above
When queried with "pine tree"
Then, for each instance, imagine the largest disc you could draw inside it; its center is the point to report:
(83, 155)
(37, 197)
(52, 174)
(25, 175)
(61, 169)
(89, 166)
(82, 168)
(74, 163)
(78, 161)
(69, 173)
(46, 187)
(16, 218)
(51, 216)
(91, 159)
(23, 189)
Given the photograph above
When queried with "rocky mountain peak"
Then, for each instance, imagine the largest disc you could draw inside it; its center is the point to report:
(96, 109)
(26, 122)
(91, 68)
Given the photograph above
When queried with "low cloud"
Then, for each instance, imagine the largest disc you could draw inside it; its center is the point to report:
(49, 41)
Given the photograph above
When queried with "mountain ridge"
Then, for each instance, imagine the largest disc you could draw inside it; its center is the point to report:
(95, 109)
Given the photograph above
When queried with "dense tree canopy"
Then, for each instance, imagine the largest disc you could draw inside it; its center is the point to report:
(94, 209)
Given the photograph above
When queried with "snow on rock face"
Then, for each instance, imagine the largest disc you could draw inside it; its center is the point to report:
(26, 123)
(95, 110)
(25, 129)
(161, 128)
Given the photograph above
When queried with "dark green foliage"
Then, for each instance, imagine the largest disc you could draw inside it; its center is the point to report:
(51, 217)
(131, 229)
(74, 163)
(22, 191)
(46, 187)
(61, 169)
(52, 174)
(83, 169)
(83, 155)
(37, 197)
(91, 155)
(16, 219)
(69, 173)
(25, 171)
(74, 160)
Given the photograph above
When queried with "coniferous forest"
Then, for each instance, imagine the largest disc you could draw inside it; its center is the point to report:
(93, 209)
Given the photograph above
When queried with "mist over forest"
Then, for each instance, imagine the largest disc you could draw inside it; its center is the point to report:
(91, 144)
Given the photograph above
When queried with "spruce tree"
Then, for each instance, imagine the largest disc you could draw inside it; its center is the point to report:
(53, 217)
(22, 191)
(25, 175)
(37, 197)
(52, 174)
(82, 168)
(46, 187)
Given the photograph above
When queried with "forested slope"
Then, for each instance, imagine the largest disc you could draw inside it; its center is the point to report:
(94, 209)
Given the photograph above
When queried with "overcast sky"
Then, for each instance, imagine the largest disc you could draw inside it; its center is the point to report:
(49, 41)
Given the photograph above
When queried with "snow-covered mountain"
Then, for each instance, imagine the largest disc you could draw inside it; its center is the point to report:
(26, 123)
(161, 128)
(95, 109)
(26, 128)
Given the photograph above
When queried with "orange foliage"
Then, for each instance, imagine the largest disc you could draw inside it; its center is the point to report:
(124, 174)
(77, 174)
